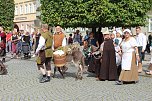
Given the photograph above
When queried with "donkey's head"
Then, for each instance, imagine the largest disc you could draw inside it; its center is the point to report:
(75, 46)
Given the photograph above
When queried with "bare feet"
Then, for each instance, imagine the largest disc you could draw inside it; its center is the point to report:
(97, 79)
(139, 70)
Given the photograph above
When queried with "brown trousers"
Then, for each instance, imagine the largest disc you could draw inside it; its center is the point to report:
(44, 60)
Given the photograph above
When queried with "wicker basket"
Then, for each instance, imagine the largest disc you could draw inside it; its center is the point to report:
(59, 60)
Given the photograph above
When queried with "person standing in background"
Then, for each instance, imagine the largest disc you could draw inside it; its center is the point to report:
(77, 37)
(86, 37)
(149, 43)
(8, 42)
(118, 36)
(70, 39)
(3, 43)
(36, 38)
(141, 42)
(14, 39)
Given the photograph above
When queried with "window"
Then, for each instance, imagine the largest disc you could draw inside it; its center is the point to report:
(22, 27)
(34, 6)
(27, 27)
(26, 8)
(150, 25)
(21, 9)
(31, 9)
(16, 10)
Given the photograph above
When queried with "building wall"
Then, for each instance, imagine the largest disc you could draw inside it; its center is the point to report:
(25, 14)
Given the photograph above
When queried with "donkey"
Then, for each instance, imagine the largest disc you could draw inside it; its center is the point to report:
(76, 56)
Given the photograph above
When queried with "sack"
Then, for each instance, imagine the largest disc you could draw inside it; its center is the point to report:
(38, 60)
(3, 70)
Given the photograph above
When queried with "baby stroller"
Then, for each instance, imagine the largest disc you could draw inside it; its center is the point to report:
(25, 48)
(25, 52)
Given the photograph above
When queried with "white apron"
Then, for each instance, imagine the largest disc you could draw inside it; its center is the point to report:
(127, 49)
(126, 61)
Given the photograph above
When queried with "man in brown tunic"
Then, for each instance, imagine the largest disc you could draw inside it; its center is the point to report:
(59, 41)
(44, 52)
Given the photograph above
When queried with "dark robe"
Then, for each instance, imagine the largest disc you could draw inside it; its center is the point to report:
(2, 44)
(108, 70)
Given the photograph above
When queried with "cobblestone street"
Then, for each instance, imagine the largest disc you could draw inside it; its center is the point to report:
(22, 84)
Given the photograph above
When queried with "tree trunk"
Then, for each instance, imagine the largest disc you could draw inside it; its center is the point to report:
(94, 30)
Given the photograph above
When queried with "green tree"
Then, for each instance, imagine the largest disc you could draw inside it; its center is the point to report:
(7, 13)
(95, 13)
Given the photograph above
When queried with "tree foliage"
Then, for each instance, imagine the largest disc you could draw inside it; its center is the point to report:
(7, 13)
(95, 13)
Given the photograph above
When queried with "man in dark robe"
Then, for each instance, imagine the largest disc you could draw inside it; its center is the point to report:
(108, 70)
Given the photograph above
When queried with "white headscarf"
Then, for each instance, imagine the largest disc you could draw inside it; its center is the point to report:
(127, 30)
(119, 31)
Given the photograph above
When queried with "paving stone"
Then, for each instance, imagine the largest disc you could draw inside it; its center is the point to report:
(22, 84)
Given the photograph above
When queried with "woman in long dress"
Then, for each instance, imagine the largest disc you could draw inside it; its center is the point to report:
(130, 55)
(14, 40)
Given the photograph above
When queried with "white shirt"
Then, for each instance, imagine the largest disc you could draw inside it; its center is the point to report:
(41, 44)
(128, 46)
(141, 40)
(64, 42)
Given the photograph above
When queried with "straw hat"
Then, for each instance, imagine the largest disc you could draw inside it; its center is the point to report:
(106, 32)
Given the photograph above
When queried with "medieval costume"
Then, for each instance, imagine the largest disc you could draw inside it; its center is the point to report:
(108, 70)
(129, 72)
(45, 53)
(2, 45)
(59, 40)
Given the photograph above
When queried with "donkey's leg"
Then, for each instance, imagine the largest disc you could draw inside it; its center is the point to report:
(77, 73)
(54, 71)
(81, 72)
(59, 69)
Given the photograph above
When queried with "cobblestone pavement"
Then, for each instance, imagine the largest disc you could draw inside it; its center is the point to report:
(22, 84)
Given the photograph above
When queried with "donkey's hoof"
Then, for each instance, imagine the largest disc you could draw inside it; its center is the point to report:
(76, 79)
(80, 78)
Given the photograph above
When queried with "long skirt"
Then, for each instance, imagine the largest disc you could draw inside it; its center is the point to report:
(14, 48)
(130, 75)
